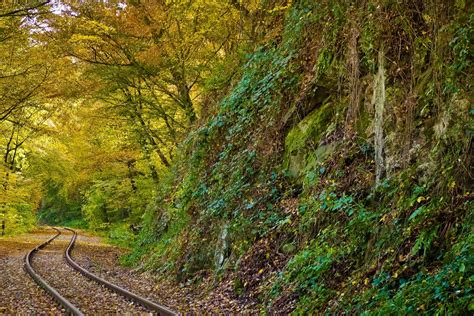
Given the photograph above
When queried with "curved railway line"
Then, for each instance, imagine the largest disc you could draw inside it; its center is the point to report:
(63, 301)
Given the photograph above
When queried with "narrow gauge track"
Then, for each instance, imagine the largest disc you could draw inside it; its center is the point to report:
(65, 302)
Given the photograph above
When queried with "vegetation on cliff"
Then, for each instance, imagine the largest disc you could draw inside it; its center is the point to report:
(315, 154)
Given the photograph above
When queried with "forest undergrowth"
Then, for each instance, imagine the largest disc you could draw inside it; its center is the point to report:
(337, 174)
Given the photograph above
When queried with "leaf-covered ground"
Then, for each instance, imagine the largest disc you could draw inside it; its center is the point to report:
(19, 294)
(85, 294)
(206, 298)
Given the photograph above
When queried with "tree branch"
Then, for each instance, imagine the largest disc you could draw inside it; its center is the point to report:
(24, 11)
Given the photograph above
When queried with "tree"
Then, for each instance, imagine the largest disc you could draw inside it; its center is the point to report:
(28, 99)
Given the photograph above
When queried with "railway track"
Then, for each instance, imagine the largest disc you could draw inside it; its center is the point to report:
(65, 302)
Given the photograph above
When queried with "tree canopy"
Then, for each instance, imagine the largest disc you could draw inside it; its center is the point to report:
(95, 97)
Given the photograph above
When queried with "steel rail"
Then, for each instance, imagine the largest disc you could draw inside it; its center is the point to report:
(43, 284)
(159, 309)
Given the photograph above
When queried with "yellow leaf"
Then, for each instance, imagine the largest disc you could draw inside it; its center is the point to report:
(427, 18)
(83, 38)
(366, 281)
(420, 199)
(260, 271)
(421, 308)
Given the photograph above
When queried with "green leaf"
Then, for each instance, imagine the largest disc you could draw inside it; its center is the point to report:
(471, 306)
(417, 212)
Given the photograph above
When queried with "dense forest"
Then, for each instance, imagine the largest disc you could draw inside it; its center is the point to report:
(306, 156)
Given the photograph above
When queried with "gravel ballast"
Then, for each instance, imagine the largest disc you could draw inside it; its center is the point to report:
(19, 294)
(103, 260)
(87, 295)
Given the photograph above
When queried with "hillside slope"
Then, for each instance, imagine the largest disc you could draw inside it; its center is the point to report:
(337, 174)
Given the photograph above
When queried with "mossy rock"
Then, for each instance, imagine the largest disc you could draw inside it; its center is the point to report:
(302, 144)
(288, 248)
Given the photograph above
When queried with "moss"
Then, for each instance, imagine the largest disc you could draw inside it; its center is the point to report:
(302, 144)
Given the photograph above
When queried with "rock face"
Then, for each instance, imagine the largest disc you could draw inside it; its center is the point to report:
(303, 146)
(341, 162)
(378, 102)
(222, 248)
